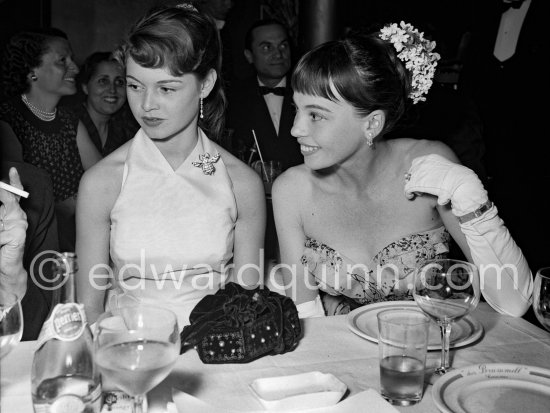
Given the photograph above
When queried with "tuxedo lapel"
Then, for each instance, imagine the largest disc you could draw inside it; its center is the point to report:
(248, 111)
(261, 117)
(287, 113)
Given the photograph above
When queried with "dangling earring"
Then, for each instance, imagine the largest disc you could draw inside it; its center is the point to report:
(34, 78)
(201, 109)
(370, 139)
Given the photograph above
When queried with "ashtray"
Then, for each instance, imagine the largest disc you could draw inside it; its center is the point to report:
(299, 391)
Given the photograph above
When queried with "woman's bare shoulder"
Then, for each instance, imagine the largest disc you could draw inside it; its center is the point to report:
(106, 175)
(237, 169)
(293, 181)
(245, 180)
(413, 148)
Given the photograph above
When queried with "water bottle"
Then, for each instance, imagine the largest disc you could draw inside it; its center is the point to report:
(64, 378)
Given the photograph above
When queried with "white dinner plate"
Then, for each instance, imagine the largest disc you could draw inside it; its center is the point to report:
(502, 388)
(363, 322)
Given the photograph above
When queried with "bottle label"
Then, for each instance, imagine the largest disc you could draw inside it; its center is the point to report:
(72, 403)
(116, 401)
(66, 323)
(67, 404)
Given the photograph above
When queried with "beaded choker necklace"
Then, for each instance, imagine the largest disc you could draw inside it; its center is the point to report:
(40, 114)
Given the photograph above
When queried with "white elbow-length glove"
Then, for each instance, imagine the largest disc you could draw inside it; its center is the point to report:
(310, 309)
(506, 278)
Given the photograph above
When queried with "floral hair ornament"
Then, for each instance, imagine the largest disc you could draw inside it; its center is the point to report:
(187, 6)
(416, 53)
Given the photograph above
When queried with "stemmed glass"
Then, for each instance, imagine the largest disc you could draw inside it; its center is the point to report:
(136, 348)
(446, 290)
(11, 322)
(541, 297)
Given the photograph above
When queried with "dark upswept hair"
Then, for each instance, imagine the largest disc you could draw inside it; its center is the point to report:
(363, 69)
(91, 63)
(22, 53)
(261, 23)
(184, 41)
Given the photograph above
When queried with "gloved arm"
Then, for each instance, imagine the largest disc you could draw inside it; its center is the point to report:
(506, 280)
(310, 309)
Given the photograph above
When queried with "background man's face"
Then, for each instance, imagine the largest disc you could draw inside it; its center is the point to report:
(270, 53)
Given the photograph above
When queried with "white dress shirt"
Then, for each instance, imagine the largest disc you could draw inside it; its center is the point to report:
(274, 104)
(508, 31)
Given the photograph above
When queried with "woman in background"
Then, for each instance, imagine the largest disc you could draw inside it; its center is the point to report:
(178, 215)
(104, 112)
(37, 70)
(343, 221)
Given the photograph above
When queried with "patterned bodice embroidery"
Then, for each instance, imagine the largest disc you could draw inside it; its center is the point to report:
(48, 145)
(387, 277)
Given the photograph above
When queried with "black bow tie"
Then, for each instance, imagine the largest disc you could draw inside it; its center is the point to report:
(513, 4)
(280, 91)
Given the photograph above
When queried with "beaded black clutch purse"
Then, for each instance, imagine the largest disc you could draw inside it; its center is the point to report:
(236, 325)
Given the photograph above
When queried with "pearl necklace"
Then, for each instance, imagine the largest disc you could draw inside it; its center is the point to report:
(40, 114)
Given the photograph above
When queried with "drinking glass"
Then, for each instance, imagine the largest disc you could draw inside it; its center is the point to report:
(446, 290)
(268, 170)
(402, 346)
(11, 322)
(135, 348)
(541, 297)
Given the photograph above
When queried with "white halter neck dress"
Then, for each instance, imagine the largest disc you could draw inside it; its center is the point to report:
(172, 232)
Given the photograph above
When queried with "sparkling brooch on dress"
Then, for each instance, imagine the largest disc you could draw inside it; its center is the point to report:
(206, 163)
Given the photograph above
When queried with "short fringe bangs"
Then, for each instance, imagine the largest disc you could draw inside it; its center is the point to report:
(327, 69)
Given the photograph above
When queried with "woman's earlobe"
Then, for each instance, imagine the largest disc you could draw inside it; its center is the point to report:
(377, 122)
(208, 83)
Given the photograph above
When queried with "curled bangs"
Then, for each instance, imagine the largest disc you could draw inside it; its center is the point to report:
(174, 51)
(175, 39)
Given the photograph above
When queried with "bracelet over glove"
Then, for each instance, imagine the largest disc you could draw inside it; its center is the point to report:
(506, 278)
(450, 182)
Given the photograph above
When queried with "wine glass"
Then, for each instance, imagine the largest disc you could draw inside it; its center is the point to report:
(11, 322)
(541, 297)
(446, 290)
(135, 348)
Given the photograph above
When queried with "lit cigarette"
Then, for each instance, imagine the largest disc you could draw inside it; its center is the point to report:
(14, 190)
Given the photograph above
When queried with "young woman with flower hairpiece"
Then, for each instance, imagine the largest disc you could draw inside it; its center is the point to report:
(171, 211)
(356, 218)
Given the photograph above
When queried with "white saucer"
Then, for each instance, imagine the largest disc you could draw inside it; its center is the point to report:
(363, 322)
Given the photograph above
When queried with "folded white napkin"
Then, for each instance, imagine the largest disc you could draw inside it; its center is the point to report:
(186, 403)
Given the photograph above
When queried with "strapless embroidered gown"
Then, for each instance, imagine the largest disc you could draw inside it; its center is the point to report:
(172, 232)
(346, 285)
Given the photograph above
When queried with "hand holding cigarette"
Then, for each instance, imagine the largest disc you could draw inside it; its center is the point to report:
(12, 217)
(14, 190)
(14, 179)
(13, 227)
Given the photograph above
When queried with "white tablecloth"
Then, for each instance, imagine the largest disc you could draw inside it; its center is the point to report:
(328, 346)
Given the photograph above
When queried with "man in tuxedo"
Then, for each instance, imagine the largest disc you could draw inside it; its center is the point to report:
(263, 103)
(507, 75)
